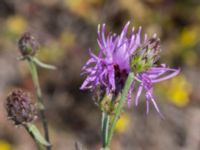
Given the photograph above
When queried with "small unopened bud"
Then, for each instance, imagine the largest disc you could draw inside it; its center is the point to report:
(28, 45)
(19, 107)
(146, 56)
(152, 49)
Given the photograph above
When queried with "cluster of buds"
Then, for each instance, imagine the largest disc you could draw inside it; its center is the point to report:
(28, 45)
(19, 107)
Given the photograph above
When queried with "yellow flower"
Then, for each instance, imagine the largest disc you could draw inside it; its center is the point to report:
(67, 39)
(50, 54)
(4, 145)
(178, 91)
(16, 24)
(188, 37)
(122, 123)
(83, 8)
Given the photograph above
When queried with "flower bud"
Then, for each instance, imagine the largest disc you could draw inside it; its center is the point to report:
(28, 45)
(19, 107)
(146, 56)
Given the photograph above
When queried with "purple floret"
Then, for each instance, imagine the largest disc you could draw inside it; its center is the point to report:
(110, 68)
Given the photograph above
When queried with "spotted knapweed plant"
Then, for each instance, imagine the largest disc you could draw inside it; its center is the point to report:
(18, 104)
(23, 112)
(123, 62)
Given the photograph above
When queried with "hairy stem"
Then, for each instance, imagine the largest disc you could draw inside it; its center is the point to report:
(41, 107)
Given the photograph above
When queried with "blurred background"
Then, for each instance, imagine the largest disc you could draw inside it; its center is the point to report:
(65, 30)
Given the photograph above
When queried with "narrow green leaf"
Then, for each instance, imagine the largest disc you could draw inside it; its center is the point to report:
(42, 65)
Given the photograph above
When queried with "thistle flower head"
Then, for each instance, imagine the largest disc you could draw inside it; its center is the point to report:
(121, 54)
(28, 45)
(111, 66)
(19, 107)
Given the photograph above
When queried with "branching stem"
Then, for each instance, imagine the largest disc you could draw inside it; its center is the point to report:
(41, 107)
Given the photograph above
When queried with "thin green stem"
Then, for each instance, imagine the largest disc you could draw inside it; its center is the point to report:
(119, 107)
(39, 146)
(36, 83)
(104, 128)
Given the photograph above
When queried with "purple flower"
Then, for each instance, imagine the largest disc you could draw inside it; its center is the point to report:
(118, 56)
